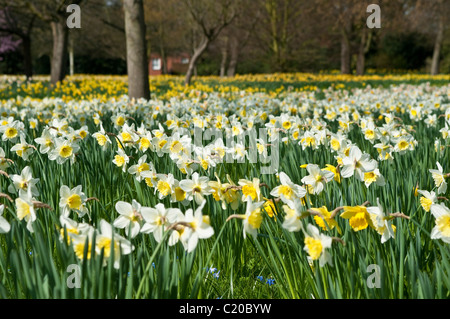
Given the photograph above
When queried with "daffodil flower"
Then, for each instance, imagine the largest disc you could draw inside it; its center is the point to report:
(316, 245)
(11, 131)
(73, 228)
(196, 188)
(23, 182)
(357, 164)
(358, 217)
(25, 209)
(427, 199)
(250, 188)
(324, 220)
(381, 222)
(292, 219)
(442, 229)
(4, 225)
(130, 217)
(198, 227)
(121, 159)
(287, 190)
(317, 178)
(63, 151)
(102, 138)
(159, 219)
(46, 141)
(72, 200)
(140, 167)
(439, 179)
(23, 149)
(110, 241)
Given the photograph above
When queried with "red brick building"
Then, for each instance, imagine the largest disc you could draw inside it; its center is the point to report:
(176, 64)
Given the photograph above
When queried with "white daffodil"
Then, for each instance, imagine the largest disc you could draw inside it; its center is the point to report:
(46, 141)
(11, 131)
(238, 151)
(140, 167)
(253, 218)
(64, 150)
(73, 228)
(25, 209)
(150, 176)
(4, 163)
(357, 163)
(250, 188)
(316, 245)
(127, 135)
(23, 182)
(121, 159)
(130, 217)
(23, 149)
(442, 228)
(159, 143)
(165, 185)
(72, 200)
(293, 210)
(374, 177)
(287, 190)
(112, 242)
(79, 243)
(198, 227)
(157, 221)
(145, 141)
(403, 143)
(309, 140)
(427, 199)
(102, 138)
(82, 132)
(175, 145)
(317, 178)
(385, 151)
(380, 222)
(219, 149)
(439, 179)
(370, 132)
(337, 141)
(119, 120)
(58, 127)
(4, 225)
(196, 188)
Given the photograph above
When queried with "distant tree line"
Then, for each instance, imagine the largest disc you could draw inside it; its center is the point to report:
(224, 37)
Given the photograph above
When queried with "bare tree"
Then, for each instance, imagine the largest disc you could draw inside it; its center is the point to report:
(137, 63)
(15, 22)
(209, 18)
(441, 10)
(54, 12)
(431, 19)
(238, 35)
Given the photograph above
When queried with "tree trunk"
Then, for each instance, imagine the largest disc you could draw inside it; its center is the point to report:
(193, 62)
(137, 63)
(234, 53)
(345, 52)
(223, 62)
(27, 57)
(59, 54)
(437, 47)
(71, 57)
(364, 46)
